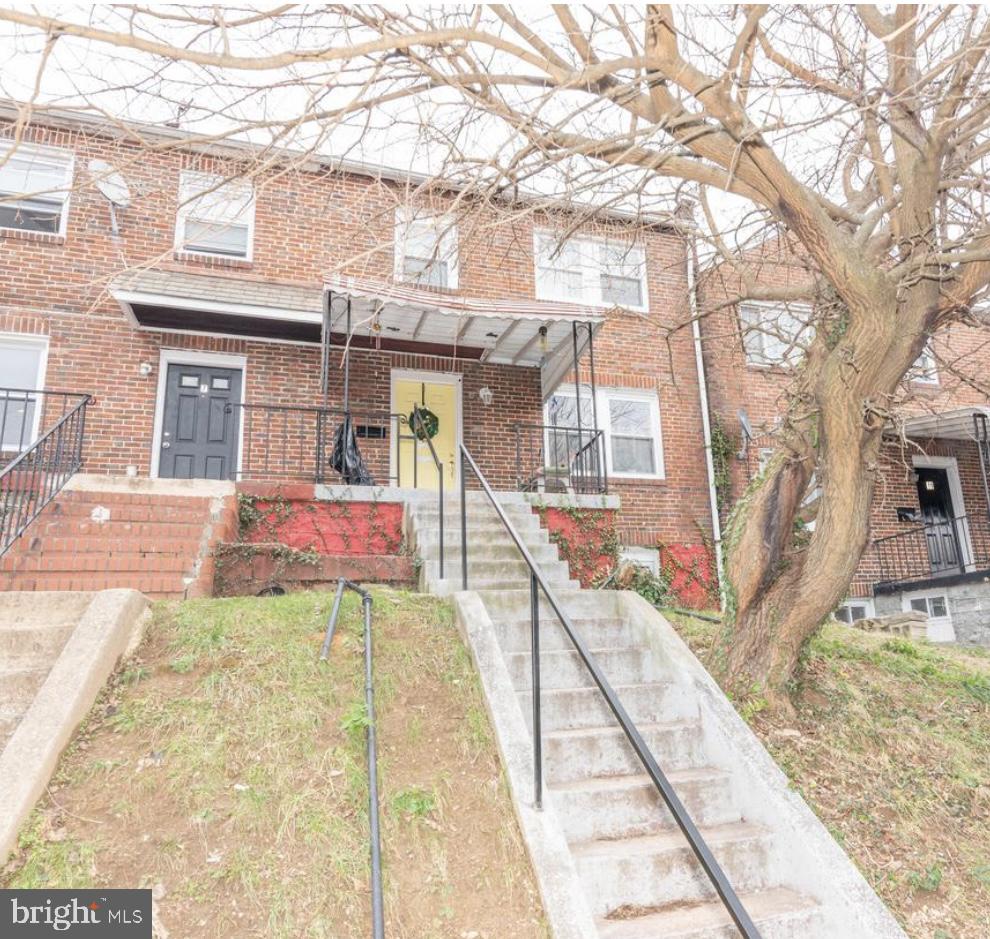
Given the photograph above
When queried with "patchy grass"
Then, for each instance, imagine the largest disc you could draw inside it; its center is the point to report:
(890, 744)
(226, 768)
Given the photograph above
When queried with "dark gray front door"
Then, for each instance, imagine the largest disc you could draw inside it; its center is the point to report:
(199, 433)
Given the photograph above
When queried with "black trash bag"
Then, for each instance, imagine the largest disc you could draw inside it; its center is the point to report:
(346, 459)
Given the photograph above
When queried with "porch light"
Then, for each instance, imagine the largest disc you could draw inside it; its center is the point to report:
(543, 338)
(144, 369)
(487, 396)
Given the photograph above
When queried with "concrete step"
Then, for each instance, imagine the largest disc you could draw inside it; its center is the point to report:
(514, 635)
(18, 685)
(565, 669)
(38, 640)
(486, 551)
(629, 806)
(504, 571)
(513, 604)
(650, 870)
(583, 706)
(452, 583)
(571, 755)
(476, 521)
(779, 913)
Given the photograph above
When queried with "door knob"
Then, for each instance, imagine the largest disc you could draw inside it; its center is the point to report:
(165, 444)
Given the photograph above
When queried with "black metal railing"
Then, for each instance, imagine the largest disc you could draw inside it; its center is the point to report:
(931, 549)
(36, 469)
(538, 584)
(559, 459)
(419, 431)
(374, 826)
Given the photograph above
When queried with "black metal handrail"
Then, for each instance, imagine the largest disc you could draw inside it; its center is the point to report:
(420, 431)
(931, 549)
(30, 481)
(538, 582)
(374, 825)
(556, 458)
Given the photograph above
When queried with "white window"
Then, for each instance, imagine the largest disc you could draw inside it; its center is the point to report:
(773, 335)
(629, 421)
(591, 271)
(425, 249)
(215, 217)
(852, 611)
(643, 557)
(22, 365)
(34, 188)
(936, 607)
(925, 369)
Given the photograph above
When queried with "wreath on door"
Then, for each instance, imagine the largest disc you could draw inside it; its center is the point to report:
(427, 426)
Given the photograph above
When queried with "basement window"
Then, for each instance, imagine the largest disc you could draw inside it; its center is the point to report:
(34, 188)
(215, 216)
(852, 611)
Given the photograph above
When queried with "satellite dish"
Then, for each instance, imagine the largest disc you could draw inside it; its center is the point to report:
(747, 433)
(110, 183)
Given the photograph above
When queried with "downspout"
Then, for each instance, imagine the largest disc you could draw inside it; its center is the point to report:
(706, 427)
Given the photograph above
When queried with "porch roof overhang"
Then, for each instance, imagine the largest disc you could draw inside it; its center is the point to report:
(499, 332)
(968, 423)
(384, 316)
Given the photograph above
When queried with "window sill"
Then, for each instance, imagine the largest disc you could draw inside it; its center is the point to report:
(432, 288)
(39, 237)
(636, 477)
(215, 260)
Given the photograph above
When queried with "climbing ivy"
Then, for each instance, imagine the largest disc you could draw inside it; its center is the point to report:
(723, 449)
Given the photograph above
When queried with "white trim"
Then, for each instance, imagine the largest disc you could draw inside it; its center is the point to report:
(169, 357)
(37, 341)
(604, 393)
(794, 310)
(939, 628)
(591, 276)
(51, 153)
(951, 466)
(129, 297)
(217, 183)
(431, 378)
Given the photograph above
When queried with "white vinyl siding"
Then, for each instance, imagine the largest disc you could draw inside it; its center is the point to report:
(22, 366)
(215, 217)
(425, 249)
(34, 188)
(590, 271)
(630, 423)
(773, 335)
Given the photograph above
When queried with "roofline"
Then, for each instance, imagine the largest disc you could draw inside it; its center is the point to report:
(133, 131)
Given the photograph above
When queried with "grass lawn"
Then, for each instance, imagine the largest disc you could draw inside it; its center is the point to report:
(890, 744)
(225, 768)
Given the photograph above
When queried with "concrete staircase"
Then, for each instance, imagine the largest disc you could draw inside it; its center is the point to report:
(610, 860)
(155, 536)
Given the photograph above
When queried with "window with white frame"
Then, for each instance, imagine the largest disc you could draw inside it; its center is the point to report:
(642, 557)
(215, 217)
(925, 369)
(773, 335)
(425, 249)
(590, 270)
(34, 188)
(22, 365)
(933, 606)
(629, 421)
(852, 611)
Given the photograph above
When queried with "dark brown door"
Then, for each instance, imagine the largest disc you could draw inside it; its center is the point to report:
(199, 431)
(937, 512)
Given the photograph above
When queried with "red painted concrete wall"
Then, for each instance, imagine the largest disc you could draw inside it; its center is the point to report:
(585, 538)
(691, 573)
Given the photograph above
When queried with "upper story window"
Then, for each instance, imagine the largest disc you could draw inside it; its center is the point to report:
(215, 217)
(425, 249)
(591, 270)
(34, 188)
(925, 369)
(629, 421)
(22, 365)
(773, 335)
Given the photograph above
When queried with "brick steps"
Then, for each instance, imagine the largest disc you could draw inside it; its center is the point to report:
(158, 543)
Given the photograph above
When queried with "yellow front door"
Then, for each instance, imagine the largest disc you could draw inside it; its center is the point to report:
(415, 466)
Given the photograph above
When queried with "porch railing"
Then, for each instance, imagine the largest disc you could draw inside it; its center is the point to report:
(34, 470)
(559, 459)
(931, 549)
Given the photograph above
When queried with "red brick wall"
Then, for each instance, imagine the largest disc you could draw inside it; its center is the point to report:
(307, 225)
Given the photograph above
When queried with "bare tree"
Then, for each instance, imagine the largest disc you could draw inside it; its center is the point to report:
(861, 132)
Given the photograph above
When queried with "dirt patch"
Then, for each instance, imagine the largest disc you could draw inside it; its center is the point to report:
(890, 745)
(225, 768)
